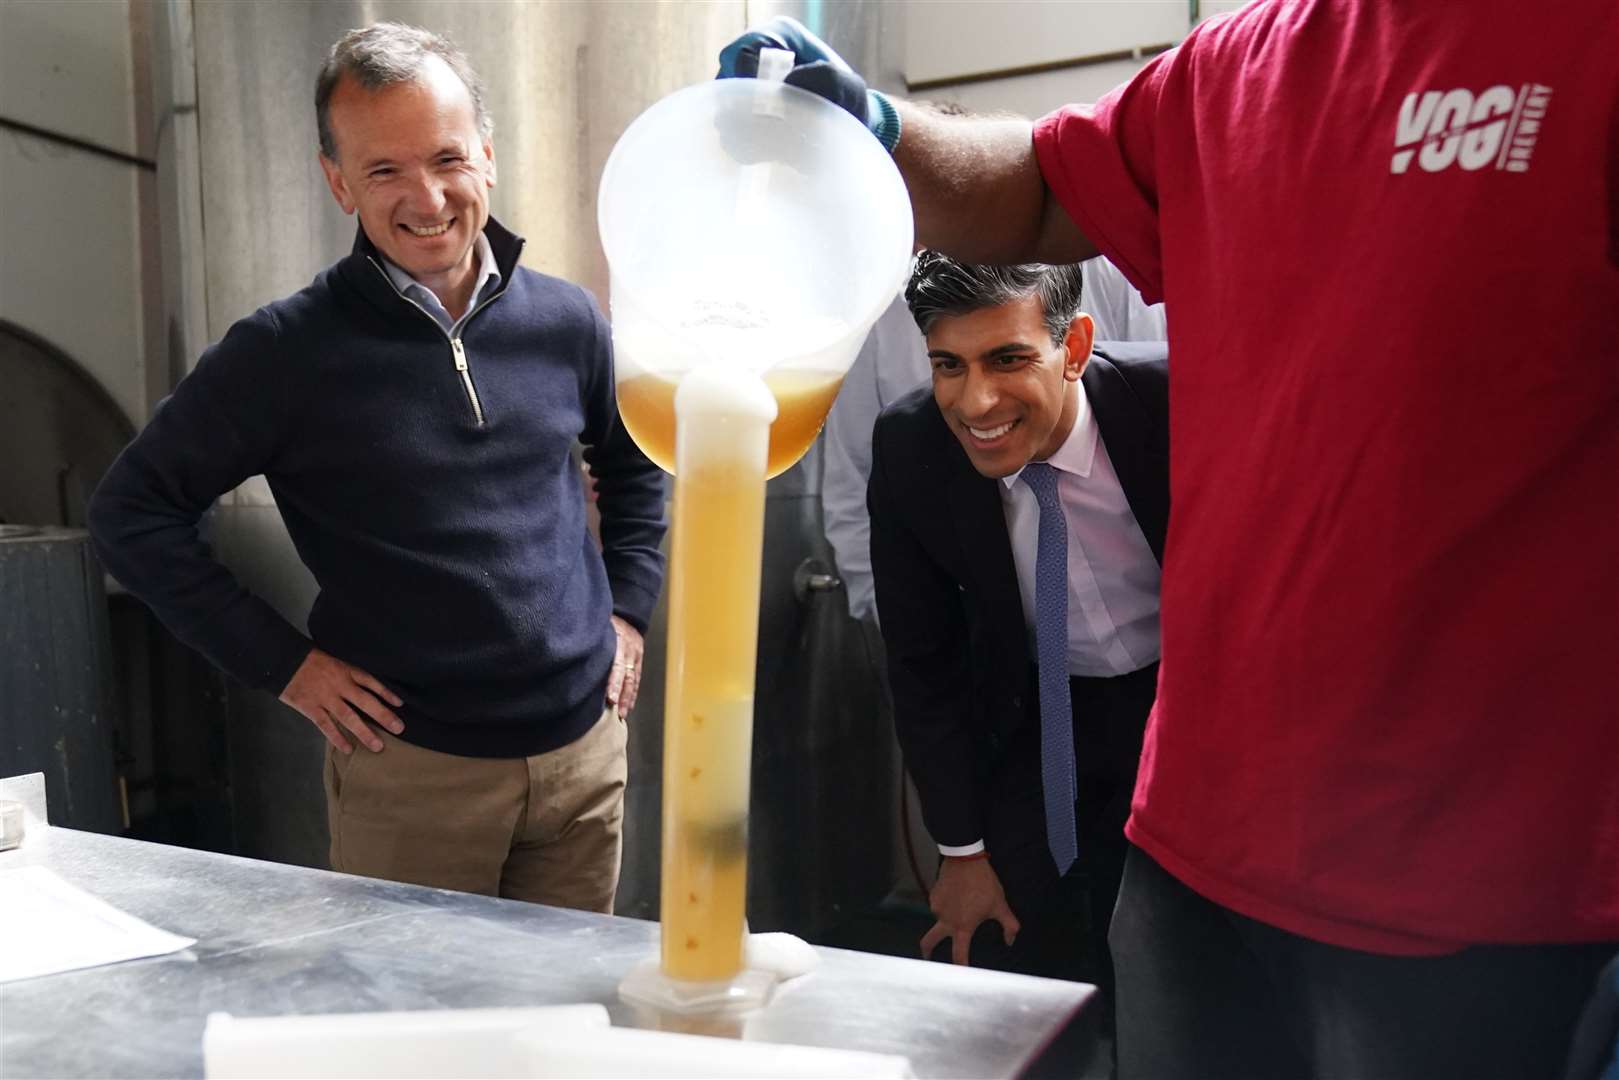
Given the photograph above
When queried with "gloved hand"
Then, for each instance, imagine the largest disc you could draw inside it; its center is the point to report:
(816, 68)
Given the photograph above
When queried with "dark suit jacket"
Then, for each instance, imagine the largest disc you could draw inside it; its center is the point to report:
(947, 593)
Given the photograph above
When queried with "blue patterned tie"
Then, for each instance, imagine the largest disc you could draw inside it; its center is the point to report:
(1051, 644)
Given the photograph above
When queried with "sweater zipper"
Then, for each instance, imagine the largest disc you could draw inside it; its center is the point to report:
(458, 351)
(466, 377)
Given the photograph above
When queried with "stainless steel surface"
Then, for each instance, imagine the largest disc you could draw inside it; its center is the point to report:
(12, 826)
(29, 790)
(275, 940)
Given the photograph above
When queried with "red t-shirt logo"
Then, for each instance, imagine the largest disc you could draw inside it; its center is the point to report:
(1496, 127)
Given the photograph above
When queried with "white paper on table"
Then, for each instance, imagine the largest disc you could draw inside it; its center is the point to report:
(394, 1045)
(47, 925)
(617, 1052)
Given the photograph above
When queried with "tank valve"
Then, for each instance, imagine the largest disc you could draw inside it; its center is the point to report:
(814, 576)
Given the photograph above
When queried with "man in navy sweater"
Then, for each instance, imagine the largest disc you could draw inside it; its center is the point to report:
(413, 411)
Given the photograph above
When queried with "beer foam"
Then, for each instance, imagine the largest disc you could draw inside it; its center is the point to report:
(715, 391)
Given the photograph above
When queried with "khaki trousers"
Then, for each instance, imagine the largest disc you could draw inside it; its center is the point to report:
(546, 828)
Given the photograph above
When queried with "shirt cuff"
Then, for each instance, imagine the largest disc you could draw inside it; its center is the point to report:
(965, 849)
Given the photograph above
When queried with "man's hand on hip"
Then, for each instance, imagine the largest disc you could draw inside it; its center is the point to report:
(624, 680)
(966, 895)
(333, 695)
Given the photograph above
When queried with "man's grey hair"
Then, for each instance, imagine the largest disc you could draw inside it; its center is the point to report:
(942, 286)
(386, 53)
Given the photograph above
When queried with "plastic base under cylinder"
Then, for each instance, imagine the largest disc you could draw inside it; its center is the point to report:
(646, 985)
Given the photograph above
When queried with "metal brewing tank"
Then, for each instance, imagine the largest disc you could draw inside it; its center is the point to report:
(58, 432)
(56, 696)
(564, 80)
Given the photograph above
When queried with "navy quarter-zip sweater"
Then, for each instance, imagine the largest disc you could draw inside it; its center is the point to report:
(444, 522)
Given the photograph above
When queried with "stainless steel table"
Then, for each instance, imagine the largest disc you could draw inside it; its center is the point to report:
(275, 940)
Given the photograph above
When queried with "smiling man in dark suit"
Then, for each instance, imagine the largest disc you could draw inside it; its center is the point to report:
(1018, 510)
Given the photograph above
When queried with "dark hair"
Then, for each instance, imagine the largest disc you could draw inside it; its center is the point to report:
(942, 286)
(386, 53)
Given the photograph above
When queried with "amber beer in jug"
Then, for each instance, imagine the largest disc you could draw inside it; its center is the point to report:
(803, 398)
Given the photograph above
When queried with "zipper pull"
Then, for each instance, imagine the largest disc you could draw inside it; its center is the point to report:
(460, 354)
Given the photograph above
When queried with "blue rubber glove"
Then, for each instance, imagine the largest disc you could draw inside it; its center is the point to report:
(816, 68)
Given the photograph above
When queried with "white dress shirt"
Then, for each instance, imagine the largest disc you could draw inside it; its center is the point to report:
(892, 362)
(1116, 308)
(428, 301)
(1112, 574)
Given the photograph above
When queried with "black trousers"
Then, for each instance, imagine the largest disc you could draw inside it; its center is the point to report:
(1065, 919)
(1207, 993)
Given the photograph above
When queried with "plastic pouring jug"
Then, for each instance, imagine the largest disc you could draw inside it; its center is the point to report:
(752, 227)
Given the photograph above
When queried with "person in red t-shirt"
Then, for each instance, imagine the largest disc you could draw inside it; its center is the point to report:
(1377, 825)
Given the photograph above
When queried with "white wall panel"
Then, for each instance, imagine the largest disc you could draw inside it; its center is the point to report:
(1035, 95)
(948, 39)
(69, 269)
(65, 67)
